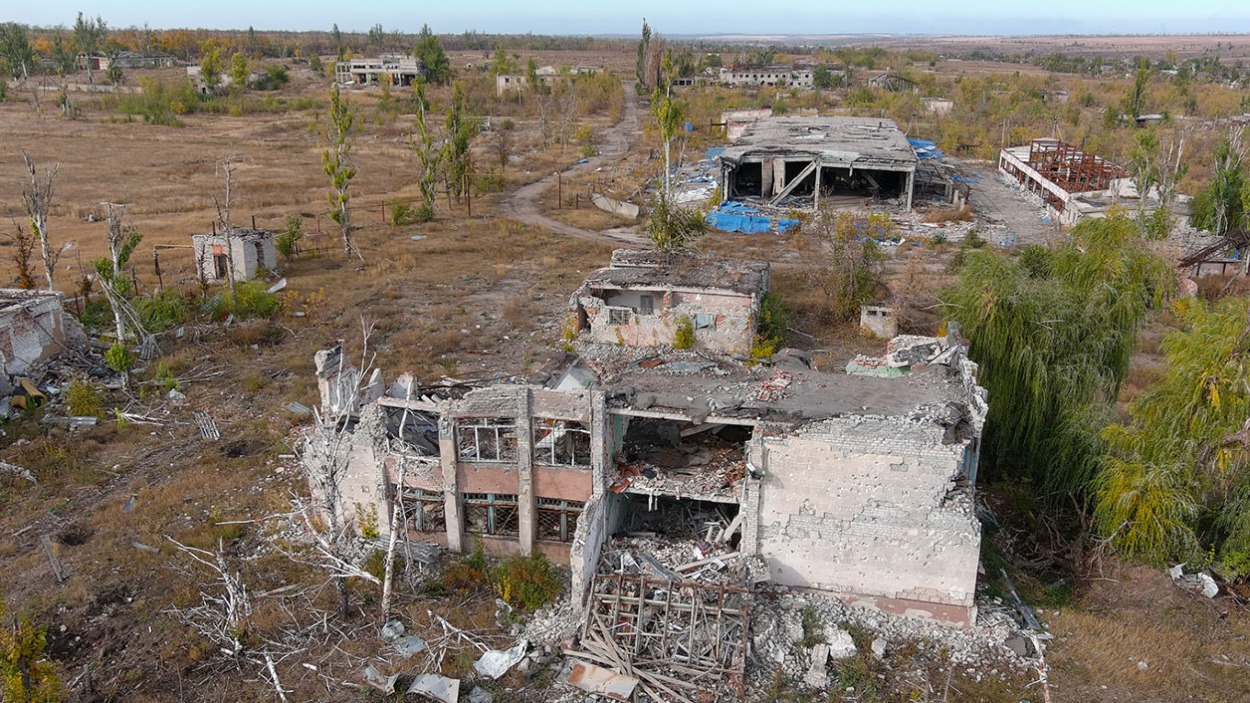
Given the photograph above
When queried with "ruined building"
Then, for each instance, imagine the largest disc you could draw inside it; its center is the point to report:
(248, 250)
(854, 484)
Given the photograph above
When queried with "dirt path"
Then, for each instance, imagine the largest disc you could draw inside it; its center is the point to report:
(523, 204)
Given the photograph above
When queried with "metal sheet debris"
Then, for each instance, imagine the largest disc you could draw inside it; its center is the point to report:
(601, 681)
(409, 645)
(440, 688)
(208, 428)
(497, 662)
(374, 679)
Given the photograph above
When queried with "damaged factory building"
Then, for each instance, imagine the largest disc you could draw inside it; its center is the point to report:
(635, 462)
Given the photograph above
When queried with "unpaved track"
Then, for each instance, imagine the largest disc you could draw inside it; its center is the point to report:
(523, 204)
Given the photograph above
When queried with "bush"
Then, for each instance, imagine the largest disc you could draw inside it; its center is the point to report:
(490, 182)
(119, 358)
(274, 78)
(162, 311)
(527, 583)
(249, 301)
(288, 239)
(402, 213)
(684, 337)
(82, 398)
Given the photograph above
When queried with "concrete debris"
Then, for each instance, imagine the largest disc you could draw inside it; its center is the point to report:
(392, 630)
(480, 695)
(841, 646)
(497, 662)
(176, 395)
(409, 645)
(817, 675)
(439, 688)
(14, 470)
(878, 647)
(143, 547)
(71, 421)
(298, 409)
(604, 682)
(616, 207)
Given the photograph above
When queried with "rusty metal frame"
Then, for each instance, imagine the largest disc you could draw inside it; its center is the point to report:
(1070, 168)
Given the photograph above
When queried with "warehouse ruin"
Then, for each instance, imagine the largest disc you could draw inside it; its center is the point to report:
(857, 484)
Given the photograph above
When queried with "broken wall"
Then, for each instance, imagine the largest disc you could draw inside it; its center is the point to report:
(722, 323)
(31, 329)
(874, 510)
(249, 254)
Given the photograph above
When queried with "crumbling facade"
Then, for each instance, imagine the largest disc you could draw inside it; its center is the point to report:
(400, 70)
(803, 161)
(768, 77)
(32, 329)
(688, 466)
(248, 250)
(644, 299)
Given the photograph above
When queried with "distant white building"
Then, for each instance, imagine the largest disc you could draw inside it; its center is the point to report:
(250, 250)
(403, 70)
(769, 76)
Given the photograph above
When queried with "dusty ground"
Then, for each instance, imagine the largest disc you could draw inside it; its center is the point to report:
(477, 297)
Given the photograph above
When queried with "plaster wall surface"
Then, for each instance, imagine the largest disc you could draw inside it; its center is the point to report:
(31, 330)
(869, 508)
(728, 322)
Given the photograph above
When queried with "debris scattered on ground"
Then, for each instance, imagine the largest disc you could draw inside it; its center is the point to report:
(600, 681)
(497, 662)
(1200, 583)
(439, 688)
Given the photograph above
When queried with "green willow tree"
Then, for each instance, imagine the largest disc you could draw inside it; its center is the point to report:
(336, 161)
(1053, 331)
(1175, 480)
(429, 49)
(429, 155)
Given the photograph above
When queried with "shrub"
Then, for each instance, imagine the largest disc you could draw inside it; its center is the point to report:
(401, 213)
(490, 182)
(162, 311)
(684, 337)
(774, 319)
(527, 583)
(249, 300)
(119, 358)
(288, 239)
(82, 398)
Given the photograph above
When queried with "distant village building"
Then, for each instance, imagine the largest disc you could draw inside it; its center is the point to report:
(402, 70)
(250, 251)
(144, 59)
(547, 75)
(893, 83)
(768, 77)
(938, 106)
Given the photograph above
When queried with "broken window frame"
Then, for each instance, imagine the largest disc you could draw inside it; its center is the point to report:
(619, 316)
(646, 305)
(705, 321)
(558, 515)
(502, 431)
(547, 453)
(423, 511)
(498, 514)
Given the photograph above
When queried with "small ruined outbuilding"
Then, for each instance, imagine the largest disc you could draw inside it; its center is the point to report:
(248, 250)
(33, 329)
(399, 70)
(643, 298)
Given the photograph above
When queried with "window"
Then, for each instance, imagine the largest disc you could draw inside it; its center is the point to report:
(423, 510)
(618, 316)
(705, 322)
(561, 442)
(486, 439)
(557, 519)
(490, 514)
(220, 265)
(646, 305)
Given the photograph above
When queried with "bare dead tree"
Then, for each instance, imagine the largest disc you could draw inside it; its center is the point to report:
(225, 167)
(37, 197)
(396, 515)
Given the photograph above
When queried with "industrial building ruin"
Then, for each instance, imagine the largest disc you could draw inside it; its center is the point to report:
(806, 161)
(238, 254)
(767, 76)
(400, 70)
(645, 464)
(33, 329)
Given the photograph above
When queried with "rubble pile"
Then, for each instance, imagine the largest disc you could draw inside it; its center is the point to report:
(704, 466)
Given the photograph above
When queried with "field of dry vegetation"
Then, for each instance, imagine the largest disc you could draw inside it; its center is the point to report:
(472, 296)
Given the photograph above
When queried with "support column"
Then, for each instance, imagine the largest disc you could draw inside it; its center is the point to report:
(816, 192)
(757, 456)
(451, 490)
(911, 183)
(525, 473)
(779, 175)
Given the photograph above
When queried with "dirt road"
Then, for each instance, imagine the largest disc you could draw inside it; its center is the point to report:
(523, 204)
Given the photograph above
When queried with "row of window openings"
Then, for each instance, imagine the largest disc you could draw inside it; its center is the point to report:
(621, 316)
(494, 439)
(491, 514)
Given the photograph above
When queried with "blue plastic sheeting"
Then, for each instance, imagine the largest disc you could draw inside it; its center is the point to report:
(961, 179)
(734, 216)
(925, 149)
(714, 152)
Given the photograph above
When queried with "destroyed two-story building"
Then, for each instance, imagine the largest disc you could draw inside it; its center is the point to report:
(854, 484)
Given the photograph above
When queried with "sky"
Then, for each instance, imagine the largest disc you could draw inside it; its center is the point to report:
(673, 17)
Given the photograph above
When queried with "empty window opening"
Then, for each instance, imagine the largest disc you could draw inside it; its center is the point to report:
(663, 519)
(260, 255)
(618, 316)
(424, 511)
(561, 442)
(416, 429)
(486, 439)
(557, 519)
(493, 514)
(646, 305)
(220, 265)
(705, 322)
(748, 180)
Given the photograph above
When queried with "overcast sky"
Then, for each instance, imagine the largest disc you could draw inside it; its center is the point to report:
(665, 16)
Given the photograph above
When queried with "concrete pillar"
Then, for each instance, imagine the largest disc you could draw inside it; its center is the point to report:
(757, 456)
(911, 182)
(766, 178)
(816, 192)
(600, 443)
(451, 491)
(779, 175)
(525, 474)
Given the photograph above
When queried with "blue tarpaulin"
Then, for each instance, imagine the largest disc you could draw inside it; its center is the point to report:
(925, 149)
(738, 217)
(714, 152)
(963, 179)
